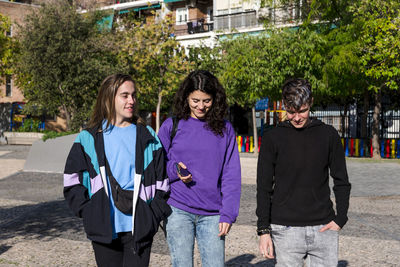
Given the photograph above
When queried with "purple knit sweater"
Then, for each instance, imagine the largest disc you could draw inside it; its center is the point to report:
(214, 163)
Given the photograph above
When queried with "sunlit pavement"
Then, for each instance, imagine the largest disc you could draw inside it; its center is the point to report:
(37, 229)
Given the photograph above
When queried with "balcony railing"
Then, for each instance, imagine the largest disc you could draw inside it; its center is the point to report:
(194, 26)
(281, 15)
(236, 20)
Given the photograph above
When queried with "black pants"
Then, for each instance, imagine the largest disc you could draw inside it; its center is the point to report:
(120, 253)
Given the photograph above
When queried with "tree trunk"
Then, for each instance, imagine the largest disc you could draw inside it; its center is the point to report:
(364, 117)
(343, 120)
(67, 117)
(255, 135)
(375, 126)
(158, 111)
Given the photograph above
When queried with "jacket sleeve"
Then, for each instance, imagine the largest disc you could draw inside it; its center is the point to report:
(159, 206)
(165, 136)
(230, 180)
(265, 181)
(341, 185)
(159, 165)
(75, 192)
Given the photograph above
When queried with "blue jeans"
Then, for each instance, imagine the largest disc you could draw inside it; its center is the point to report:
(182, 229)
(292, 244)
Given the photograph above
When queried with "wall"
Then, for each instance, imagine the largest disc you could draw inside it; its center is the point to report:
(16, 12)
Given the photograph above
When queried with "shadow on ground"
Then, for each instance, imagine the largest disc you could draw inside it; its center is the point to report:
(50, 220)
(44, 220)
(245, 260)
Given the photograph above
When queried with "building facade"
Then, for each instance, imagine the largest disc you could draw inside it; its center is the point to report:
(16, 12)
(197, 22)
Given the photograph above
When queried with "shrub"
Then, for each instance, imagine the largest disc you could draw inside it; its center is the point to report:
(53, 134)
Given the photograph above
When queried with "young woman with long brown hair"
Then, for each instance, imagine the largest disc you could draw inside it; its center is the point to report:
(114, 178)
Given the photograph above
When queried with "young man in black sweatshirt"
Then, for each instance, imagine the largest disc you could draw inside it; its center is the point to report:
(296, 219)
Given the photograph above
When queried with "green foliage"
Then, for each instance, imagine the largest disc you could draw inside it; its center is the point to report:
(380, 42)
(63, 59)
(205, 58)
(53, 134)
(362, 53)
(152, 55)
(337, 11)
(341, 70)
(29, 125)
(363, 47)
(8, 47)
(253, 67)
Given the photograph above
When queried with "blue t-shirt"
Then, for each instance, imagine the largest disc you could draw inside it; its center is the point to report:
(120, 148)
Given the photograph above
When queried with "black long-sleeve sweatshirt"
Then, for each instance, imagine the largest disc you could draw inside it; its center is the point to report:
(293, 176)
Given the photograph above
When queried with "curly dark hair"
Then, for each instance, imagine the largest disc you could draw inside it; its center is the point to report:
(207, 83)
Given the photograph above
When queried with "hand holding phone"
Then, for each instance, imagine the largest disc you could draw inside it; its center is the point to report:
(183, 172)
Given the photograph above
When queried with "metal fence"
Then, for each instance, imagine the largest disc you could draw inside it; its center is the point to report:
(349, 123)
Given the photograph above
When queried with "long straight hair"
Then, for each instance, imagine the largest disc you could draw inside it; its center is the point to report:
(104, 108)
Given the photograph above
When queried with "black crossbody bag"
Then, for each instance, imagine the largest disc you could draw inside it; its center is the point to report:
(123, 199)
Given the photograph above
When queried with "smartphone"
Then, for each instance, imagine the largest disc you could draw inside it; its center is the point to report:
(183, 172)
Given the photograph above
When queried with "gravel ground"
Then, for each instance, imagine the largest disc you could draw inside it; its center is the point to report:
(37, 228)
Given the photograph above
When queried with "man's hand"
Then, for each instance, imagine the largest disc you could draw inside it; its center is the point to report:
(266, 247)
(224, 228)
(330, 226)
(185, 179)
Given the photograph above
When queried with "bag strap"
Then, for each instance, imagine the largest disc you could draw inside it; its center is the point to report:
(175, 122)
(113, 182)
(108, 170)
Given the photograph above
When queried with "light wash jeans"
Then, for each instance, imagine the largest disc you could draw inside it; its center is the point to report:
(182, 229)
(293, 243)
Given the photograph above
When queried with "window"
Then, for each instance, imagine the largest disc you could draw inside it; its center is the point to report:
(182, 15)
(8, 85)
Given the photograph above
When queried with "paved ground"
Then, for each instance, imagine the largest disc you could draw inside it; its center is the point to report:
(37, 229)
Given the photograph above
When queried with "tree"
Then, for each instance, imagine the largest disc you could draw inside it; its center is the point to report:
(7, 47)
(364, 53)
(256, 67)
(64, 57)
(380, 46)
(154, 57)
(361, 50)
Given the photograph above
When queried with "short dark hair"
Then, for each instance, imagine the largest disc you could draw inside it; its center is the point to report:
(207, 83)
(296, 92)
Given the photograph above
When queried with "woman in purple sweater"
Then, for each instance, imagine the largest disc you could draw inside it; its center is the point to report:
(203, 167)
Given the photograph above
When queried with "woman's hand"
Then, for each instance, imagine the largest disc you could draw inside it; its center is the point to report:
(185, 179)
(224, 228)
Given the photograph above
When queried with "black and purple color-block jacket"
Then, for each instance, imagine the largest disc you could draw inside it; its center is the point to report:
(86, 191)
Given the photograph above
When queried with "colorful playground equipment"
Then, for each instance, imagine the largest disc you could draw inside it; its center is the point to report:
(246, 143)
(353, 147)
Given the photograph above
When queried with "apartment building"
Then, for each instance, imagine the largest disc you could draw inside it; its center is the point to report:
(205, 22)
(197, 22)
